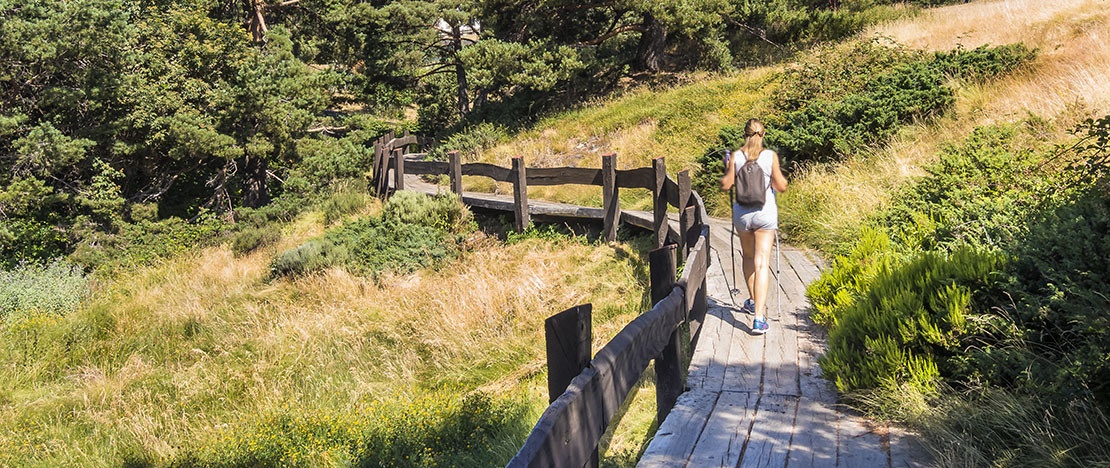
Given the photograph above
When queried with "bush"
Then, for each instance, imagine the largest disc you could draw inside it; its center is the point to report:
(983, 62)
(444, 212)
(55, 288)
(345, 202)
(414, 231)
(252, 238)
(311, 256)
(840, 101)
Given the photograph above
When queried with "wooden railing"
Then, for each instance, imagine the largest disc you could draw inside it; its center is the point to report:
(587, 393)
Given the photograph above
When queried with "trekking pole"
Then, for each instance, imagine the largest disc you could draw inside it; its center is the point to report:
(732, 231)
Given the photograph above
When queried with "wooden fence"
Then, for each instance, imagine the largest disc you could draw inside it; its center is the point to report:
(587, 393)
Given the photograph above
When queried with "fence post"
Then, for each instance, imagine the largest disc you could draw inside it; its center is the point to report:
(520, 194)
(569, 337)
(668, 365)
(610, 199)
(659, 215)
(398, 170)
(456, 172)
(685, 220)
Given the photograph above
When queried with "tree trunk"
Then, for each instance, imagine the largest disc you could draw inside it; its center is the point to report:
(460, 70)
(256, 192)
(652, 44)
(256, 22)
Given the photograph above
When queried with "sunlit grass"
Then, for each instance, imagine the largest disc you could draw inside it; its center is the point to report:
(166, 356)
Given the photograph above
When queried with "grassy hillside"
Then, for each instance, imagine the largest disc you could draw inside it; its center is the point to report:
(205, 358)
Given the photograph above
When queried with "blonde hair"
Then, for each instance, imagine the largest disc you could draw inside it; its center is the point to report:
(753, 139)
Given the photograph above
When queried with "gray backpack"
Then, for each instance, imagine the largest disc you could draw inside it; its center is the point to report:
(750, 190)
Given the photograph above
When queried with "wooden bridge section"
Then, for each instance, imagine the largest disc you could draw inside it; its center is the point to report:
(760, 400)
(744, 400)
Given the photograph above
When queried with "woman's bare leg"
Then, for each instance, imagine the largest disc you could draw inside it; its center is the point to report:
(764, 241)
(747, 250)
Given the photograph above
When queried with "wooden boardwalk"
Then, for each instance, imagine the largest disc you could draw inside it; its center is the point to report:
(751, 400)
(756, 400)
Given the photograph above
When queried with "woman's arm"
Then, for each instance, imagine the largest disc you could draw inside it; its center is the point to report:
(778, 181)
(729, 177)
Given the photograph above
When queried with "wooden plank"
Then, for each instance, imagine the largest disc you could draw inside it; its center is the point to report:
(456, 172)
(722, 441)
(815, 435)
(498, 173)
(568, 431)
(659, 196)
(675, 439)
(426, 167)
(780, 357)
(564, 175)
(710, 338)
(610, 196)
(807, 271)
(520, 195)
(769, 442)
(643, 177)
(398, 170)
(859, 445)
(718, 365)
(745, 356)
(569, 338)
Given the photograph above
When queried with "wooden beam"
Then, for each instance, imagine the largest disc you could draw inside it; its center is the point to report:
(569, 338)
(685, 216)
(520, 194)
(610, 196)
(456, 171)
(668, 365)
(398, 170)
(659, 195)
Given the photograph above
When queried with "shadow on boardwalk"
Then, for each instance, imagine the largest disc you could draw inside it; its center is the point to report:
(760, 400)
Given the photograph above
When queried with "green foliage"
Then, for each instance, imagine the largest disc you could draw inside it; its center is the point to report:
(471, 141)
(981, 192)
(992, 268)
(983, 62)
(250, 239)
(910, 317)
(311, 256)
(443, 212)
(145, 242)
(54, 288)
(841, 100)
(345, 202)
(441, 429)
(414, 231)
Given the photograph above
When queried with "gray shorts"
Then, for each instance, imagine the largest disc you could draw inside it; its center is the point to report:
(747, 219)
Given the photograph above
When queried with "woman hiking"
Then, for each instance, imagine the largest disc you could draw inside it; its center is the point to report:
(756, 224)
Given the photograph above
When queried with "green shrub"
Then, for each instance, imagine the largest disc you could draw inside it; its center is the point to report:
(414, 231)
(147, 241)
(55, 288)
(983, 62)
(252, 238)
(311, 256)
(443, 211)
(841, 100)
(345, 202)
(471, 141)
(910, 319)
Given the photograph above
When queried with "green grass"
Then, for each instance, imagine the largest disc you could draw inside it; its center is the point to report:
(199, 360)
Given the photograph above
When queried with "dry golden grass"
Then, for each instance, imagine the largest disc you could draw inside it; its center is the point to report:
(204, 341)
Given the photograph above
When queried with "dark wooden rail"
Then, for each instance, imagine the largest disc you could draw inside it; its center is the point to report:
(586, 393)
